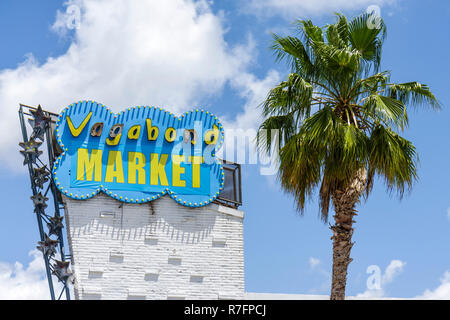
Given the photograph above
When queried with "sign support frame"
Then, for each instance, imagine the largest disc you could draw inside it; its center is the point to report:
(40, 209)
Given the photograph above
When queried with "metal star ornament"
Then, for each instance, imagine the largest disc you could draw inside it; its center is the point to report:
(39, 123)
(55, 225)
(31, 151)
(40, 176)
(48, 246)
(61, 270)
(39, 201)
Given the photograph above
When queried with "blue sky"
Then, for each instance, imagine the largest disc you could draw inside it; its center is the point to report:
(227, 67)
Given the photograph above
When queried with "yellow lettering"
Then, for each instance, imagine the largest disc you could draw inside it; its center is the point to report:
(115, 133)
(114, 141)
(196, 161)
(170, 134)
(134, 166)
(152, 132)
(134, 132)
(92, 166)
(76, 131)
(190, 134)
(211, 136)
(114, 167)
(177, 170)
(157, 169)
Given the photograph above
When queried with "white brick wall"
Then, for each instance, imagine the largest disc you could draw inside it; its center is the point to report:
(158, 250)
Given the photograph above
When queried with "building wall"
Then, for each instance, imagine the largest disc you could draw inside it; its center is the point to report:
(158, 250)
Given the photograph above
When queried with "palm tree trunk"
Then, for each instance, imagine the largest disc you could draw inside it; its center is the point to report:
(344, 202)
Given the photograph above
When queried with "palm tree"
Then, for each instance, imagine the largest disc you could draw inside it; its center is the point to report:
(339, 120)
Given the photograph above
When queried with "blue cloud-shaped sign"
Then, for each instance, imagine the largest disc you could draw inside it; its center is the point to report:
(138, 155)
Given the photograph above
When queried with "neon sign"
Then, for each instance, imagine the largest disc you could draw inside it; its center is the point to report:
(138, 155)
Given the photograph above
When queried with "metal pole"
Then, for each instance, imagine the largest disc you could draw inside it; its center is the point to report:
(38, 213)
(55, 200)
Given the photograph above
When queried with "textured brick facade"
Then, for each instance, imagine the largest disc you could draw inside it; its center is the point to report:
(158, 250)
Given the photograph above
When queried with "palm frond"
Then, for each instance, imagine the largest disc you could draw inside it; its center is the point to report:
(292, 50)
(284, 124)
(337, 114)
(393, 158)
(413, 93)
(388, 110)
(292, 95)
(367, 40)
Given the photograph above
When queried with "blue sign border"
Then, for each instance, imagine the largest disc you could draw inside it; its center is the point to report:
(100, 113)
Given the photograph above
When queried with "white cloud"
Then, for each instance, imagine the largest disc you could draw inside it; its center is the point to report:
(442, 292)
(19, 283)
(313, 262)
(393, 269)
(317, 268)
(303, 8)
(448, 214)
(30, 283)
(255, 91)
(166, 53)
(379, 281)
(244, 125)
